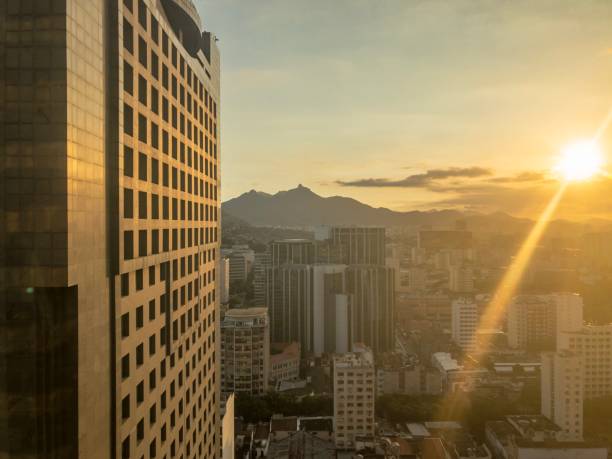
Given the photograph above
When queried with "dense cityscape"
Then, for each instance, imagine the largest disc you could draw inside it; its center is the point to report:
(385, 344)
(141, 317)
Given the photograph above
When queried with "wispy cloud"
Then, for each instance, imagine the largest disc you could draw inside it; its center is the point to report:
(522, 177)
(420, 180)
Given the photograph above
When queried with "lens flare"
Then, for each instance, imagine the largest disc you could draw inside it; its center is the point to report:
(580, 161)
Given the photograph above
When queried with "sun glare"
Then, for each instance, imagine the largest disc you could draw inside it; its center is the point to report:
(580, 161)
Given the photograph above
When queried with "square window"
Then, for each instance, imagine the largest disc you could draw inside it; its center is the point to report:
(125, 325)
(142, 90)
(128, 161)
(125, 366)
(128, 78)
(125, 407)
(142, 243)
(142, 52)
(140, 392)
(128, 245)
(125, 448)
(128, 203)
(139, 355)
(139, 317)
(142, 14)
(142, 128)
(142, 204)
(128, 120)
(142, 166)
(139, 280)
(128, 36)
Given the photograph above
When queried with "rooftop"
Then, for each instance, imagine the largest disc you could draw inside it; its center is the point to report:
(532, 422)
(282, 424)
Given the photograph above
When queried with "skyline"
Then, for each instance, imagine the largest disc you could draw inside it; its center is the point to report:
(527, 81)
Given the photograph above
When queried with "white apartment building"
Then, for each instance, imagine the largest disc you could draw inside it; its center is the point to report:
(245, 351)
(464, 323)
(594, 344)
(354, 382)
(562, 387)
(535, 321)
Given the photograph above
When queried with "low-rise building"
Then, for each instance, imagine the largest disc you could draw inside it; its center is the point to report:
(456, 376)
(396, 375)
(284, 362)
(535, 437)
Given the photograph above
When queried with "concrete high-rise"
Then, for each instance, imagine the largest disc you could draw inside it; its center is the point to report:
(562, 389)
(109, 235)
(535, 321)
(341, 281)
(245, 351)
(260, 267)
(354, 381)
(465, 320)
(594, 344)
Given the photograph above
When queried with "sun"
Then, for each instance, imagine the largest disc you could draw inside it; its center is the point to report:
(580, 161)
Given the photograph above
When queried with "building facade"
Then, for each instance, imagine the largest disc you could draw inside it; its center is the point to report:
(594, 344)
(110, 234)
(535, 321)
(465, 321)
(284, 362)
(354, 381)
(245, 351)
(562, 381)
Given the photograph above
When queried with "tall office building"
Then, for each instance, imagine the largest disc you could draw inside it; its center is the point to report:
(352, 245)
(465, 320)
(263, 260)
(245, 351)
(308, 282)
(109, 232)
(292, 251)
(289, 302)
(535, 321)
(354, 381)
(224, 281)
(372, 292)
(562, 389)
(241, 259)
(594, 344)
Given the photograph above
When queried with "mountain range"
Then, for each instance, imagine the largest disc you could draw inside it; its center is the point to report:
(300, 207)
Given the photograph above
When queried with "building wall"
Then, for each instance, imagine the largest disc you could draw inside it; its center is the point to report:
(465, 320)
(166, 299)
(245, 351)
(562, 384)
(594, 344)
(354, 383)
(373, 306)
(561, 453)
(54, 295)
(286, 365)
(227, 429)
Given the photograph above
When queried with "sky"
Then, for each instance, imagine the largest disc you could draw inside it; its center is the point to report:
(414, 104)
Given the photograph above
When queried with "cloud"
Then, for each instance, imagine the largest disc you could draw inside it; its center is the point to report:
(580, 199)
(424, 180)
(523, 177)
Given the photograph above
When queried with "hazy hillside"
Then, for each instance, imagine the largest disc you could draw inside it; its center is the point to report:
(300, 207)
